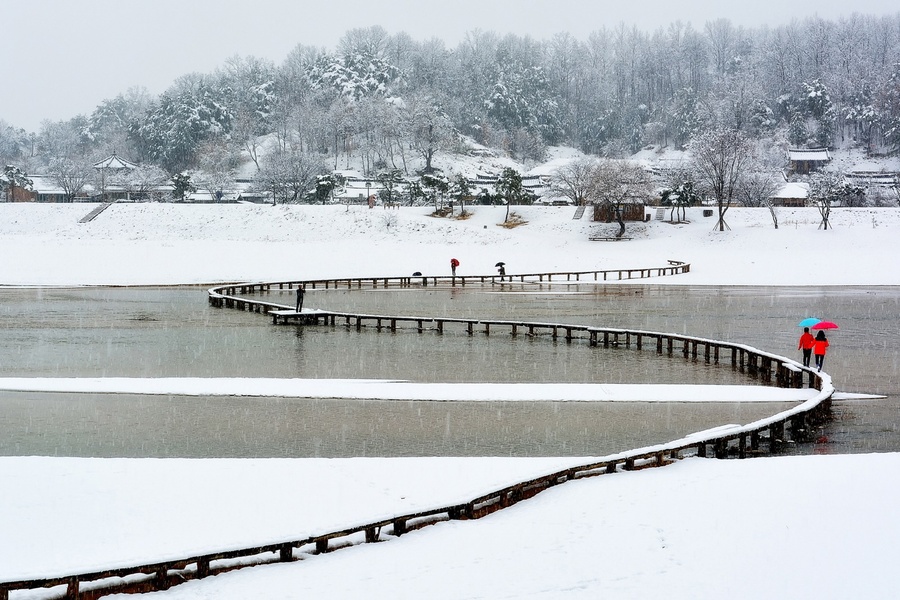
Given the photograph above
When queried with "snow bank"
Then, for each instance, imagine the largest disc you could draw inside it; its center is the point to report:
(392, 390)
(168, 244)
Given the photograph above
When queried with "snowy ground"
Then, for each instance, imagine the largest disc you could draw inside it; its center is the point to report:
(154, 244)
(808, 527)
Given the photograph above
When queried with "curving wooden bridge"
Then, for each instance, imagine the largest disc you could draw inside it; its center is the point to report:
(765, 436)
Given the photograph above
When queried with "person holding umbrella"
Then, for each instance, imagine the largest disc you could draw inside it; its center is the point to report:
(501, 269)
(806, 345)
(453, 264)
(820, 346)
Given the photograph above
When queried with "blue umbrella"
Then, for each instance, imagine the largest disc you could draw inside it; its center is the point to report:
(809, 322)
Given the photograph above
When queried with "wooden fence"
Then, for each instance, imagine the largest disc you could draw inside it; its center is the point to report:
(222, 292)
(763, 436)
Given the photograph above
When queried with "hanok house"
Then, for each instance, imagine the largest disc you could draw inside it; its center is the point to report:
(804, 161)
(791, 194)
(44, 189)
(631, 211)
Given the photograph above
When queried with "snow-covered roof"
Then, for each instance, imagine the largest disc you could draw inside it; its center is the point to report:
(115, 163)
(818, 154)
(793, 190)
(41, 184)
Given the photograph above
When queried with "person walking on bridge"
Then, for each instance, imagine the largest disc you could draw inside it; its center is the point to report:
(300, 293)
(806, 344)
(820, 346)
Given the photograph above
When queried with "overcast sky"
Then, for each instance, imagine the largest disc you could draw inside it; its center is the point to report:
(60, 58)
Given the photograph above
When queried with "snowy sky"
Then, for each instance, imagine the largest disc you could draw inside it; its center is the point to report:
(70, 55)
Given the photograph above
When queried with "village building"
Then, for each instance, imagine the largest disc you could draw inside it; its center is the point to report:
(804, 161)
(793, 194)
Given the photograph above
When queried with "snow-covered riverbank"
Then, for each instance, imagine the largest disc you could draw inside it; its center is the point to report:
(162, 244)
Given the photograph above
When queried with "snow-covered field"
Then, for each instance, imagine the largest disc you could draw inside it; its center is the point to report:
(152, 244)
(799, 527)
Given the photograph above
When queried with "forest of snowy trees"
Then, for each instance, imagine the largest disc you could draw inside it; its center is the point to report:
(388, 99)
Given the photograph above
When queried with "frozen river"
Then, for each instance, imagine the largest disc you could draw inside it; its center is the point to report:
(172, 332)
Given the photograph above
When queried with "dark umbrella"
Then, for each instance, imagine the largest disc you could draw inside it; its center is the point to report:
(500, 264)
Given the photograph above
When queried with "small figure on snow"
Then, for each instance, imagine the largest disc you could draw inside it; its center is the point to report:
(300, 293)
(453, 264)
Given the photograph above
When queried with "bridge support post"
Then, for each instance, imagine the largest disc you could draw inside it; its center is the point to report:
(286, 553)
(162, 579)
(72, 590)
(371, 535)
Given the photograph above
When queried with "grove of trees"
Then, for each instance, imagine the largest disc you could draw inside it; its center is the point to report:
(382, 100)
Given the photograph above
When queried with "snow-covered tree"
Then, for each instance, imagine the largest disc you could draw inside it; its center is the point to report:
(860, 114)
(719, 158)
(679, 195)
(11, 178)
(574, 180)
(291, 175)
(890, 108)
(354, 75)
(364, 40)
(144, 182)
(895, 187)
(217, 168)
(435, 186)
(685, 116)
(460, 190)
(524, 99)
(13, 143)
(815, 104)
(756, 188)
(110, 124)
(390, 182)
(248, 90)
(429, 128)
(416, 193)
(325, 186)
(65, 139)
(71, 175)
(616, 183)
(182, 186)
(509, 188)
(173, 130)
(827, 189)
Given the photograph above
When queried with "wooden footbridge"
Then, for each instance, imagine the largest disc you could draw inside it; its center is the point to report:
(765, 436)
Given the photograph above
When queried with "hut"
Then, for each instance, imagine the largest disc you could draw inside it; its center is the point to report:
(794, 194)
(806, 160)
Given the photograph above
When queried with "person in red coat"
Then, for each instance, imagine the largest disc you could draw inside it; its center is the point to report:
(806, 344)
(820, 346)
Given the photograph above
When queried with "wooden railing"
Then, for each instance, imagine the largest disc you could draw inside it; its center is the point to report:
(765, 435)
(234, 289)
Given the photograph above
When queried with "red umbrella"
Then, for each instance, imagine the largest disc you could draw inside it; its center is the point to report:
(824, 325)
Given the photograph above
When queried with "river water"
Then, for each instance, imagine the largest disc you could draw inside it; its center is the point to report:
(172, 332)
